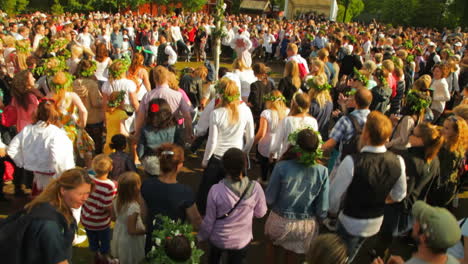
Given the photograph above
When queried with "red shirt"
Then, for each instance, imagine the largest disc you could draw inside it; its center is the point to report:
(95, 213)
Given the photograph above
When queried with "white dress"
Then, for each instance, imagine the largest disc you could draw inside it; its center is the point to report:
(129, 249)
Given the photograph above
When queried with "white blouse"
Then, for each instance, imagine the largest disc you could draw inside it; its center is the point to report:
(224, 135)
(287, 126)
(42, 148)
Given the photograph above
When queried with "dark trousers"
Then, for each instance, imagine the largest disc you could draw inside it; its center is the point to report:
(213, 173)
(96, 132)
(182, 47)
(353, 243)
(99, 240)
(234, 256)
(265, 166)
(22, 176)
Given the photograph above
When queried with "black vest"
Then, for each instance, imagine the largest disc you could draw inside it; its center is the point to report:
(162, 58)
(375, 174)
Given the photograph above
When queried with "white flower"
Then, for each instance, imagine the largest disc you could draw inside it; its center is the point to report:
(224, 6)
(158, 242)
(192, 244)
(177, 232)
(153, 248)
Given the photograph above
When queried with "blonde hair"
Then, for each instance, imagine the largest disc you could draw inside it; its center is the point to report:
(160, 75)
(229, 89)
(128, 183)
(76, 51)
(22, 56)
(102, 164)
(69, 180)
(172, 81)
(327, 249)
(300, 103)
(9, 41)
(278, 105)
(292, 47)
(323, 96)
(319, 64)
(388, 66)
(459, 144)
(239, 64)
(292, 70)
(461, 111)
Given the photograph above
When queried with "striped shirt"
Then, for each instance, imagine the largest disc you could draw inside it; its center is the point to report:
(95, 213)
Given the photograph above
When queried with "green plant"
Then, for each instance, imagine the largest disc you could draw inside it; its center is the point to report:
(308, 158)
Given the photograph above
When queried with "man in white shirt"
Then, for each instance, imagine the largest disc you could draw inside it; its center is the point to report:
(371, 179)
(166, 55)
(178, 38)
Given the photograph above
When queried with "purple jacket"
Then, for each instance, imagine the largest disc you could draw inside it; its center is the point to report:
(234, 231)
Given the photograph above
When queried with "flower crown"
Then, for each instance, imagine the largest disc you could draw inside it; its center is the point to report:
(220, 92)
(50, 66)
(417, 103)
(67, 84)
(408, 44)
(117, 73)
(168, 229)
(117, 100)
(23, 47)
(410, 58)
(90, 71)
(360, 77)
(312, 84)
(271, 98)
(307, 158)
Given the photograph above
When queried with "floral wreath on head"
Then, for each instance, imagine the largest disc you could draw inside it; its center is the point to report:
(408, 44)
(220, 92)
(23, 46)
(117, 100)
(67, 85)
(168, 230)
(360, 77)
(90, 71)
(50, 66)
(117, 73)
(324, 87)
(271, 98)
(410, 58)
(308, 158)
(417, 103)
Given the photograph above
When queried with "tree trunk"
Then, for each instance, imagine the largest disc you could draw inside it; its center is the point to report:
(217, 46)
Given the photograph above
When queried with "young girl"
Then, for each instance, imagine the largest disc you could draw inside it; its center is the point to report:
(270, 118)
(115, 118)
(321, 105)
(128, 241)
(160, 128)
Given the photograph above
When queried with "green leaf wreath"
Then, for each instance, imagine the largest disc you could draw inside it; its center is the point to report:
(271, 98)
(117, 101)
(306, 158)
(90, 71)
(360, 77)
(312, 84)
(169, 229)
(117, 73)
(416, 102)
(67, 86)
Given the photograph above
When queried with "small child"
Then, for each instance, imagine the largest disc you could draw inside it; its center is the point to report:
(121, 160)
(115, 118)
(95, 215)
(128, 241)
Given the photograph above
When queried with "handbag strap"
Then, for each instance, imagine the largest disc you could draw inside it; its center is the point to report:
(237, 203)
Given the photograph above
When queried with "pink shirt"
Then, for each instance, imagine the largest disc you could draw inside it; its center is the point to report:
(25, 116)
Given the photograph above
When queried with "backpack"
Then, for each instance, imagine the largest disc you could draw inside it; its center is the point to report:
(14, 228)
(351, 145)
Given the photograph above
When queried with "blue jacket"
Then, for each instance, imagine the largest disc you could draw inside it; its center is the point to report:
(298, 192)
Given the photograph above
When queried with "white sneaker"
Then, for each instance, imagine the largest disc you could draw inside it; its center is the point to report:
(79, 239)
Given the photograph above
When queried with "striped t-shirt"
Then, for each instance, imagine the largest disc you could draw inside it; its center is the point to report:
(95, 213)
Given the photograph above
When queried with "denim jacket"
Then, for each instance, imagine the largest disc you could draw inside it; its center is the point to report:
(298, 192)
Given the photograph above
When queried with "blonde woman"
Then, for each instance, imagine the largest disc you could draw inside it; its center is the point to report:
(76, 55)
(299, 117)
(138, 73)
(23, 51)
(231, 126)
(321, 105)
(276, 110)
(317, 68)
(246, 76)
(291, 81)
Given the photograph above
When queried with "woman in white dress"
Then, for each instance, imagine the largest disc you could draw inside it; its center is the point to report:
(298, 118)
(43, 147)
(103, 62)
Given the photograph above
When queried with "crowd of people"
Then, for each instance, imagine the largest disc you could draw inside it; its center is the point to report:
(363, 135)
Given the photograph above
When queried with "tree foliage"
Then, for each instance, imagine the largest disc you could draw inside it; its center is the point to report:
(355, 7)
(13, 7)
(425, 13)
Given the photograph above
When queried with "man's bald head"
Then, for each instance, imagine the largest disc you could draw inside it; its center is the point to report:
(363, 98)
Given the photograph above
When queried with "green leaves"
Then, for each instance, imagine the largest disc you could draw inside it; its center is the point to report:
(355, 7)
